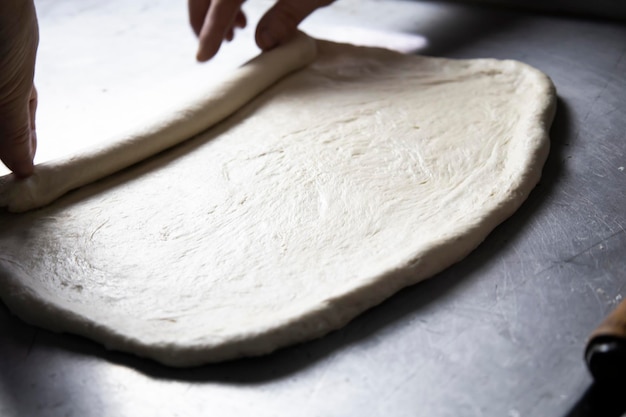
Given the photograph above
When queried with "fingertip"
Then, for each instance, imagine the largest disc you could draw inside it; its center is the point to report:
(205, 51)
(22, 166)
(230, 35)
(24, 170)
(18, 153)
(265, 39)
(201, 56)
(277, 26)
(241, 21)
(280, 22)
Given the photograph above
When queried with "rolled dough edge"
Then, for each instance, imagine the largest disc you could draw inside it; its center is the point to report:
(53, 179)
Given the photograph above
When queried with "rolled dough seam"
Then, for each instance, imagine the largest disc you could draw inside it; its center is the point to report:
(53, 179)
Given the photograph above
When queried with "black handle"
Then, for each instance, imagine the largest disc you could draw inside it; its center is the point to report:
(606, 349)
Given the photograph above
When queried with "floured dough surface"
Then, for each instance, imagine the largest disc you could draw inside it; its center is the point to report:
(366, 172)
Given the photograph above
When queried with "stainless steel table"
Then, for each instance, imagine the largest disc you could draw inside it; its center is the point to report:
(499, 334)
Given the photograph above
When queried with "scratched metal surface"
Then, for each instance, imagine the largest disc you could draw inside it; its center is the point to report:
(499, 334)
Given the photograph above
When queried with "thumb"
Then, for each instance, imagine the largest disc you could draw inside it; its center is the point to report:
(18, 139)
(280, 23)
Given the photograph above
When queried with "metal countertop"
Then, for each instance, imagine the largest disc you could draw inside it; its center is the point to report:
(499, 334)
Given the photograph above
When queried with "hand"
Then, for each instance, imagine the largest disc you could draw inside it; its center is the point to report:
(216, 20)
(19, 37)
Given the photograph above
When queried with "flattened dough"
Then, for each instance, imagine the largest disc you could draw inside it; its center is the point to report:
(365, 172)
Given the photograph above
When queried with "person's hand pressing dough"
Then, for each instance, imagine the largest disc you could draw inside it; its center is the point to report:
(19, 38)
(216, 20)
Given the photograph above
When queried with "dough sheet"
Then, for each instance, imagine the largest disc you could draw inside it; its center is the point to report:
(358, 175)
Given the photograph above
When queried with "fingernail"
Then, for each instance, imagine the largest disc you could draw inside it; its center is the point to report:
(266, 40)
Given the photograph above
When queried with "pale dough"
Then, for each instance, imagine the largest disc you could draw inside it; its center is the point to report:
(53, 179)
(346, 181)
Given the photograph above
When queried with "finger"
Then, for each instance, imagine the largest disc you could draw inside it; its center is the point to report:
(219, 20)
(241, 21)
(197, 13)
(16, 146)
(280, 23)
(18, 139)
